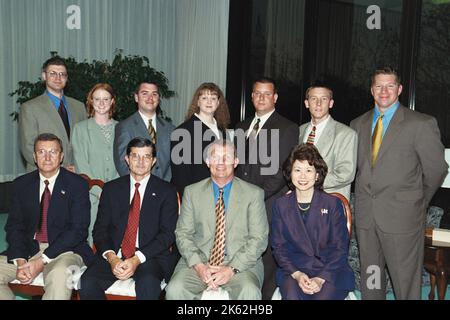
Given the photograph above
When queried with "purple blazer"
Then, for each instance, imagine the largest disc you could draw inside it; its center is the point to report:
(318, 248)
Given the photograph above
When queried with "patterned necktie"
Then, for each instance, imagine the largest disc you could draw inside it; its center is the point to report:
(255, 128)
(377, 137)
(151, 132)
(42, 235)
(65, 119)
(129, 239)
(311, 136)
(218, 250)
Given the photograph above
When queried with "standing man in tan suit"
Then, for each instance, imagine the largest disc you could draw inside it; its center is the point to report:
(336, 142)
(51, 112)
(400, 166)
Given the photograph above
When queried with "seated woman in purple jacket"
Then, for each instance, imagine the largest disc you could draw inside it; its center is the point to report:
(309, 233)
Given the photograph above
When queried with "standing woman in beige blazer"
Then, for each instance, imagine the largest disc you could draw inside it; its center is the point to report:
(92, 141)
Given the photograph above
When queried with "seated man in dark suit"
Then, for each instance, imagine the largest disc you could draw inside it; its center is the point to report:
(134, 230)
(47, 227)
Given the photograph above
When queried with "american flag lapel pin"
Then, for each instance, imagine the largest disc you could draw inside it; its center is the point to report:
(324, 211)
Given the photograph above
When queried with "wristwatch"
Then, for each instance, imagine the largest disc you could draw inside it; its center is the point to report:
(234, 270)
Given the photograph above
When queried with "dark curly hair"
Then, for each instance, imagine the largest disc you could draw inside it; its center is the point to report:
(309, 153)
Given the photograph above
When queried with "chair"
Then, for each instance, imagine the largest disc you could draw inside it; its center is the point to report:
(348, 214)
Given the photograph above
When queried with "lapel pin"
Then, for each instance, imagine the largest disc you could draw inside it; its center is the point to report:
(154, 194)
(324, 211)
(63, 192)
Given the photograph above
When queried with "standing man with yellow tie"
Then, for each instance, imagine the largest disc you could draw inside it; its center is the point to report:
(51, 112)
(145, 123)
(221, 233)
(400, 166)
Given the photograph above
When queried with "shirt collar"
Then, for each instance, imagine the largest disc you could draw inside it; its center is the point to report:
(51, 180)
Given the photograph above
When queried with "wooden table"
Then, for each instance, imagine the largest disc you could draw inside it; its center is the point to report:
(437, 264)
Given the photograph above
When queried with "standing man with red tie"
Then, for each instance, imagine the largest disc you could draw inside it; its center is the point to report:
(47, 227)
(51, 112)
(134, 230)
(271, 137)
(400, 166)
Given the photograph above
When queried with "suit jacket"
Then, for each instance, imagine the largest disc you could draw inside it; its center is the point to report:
(246, 226)
(273, 185)
(410, 167)
(39, 115)
(184, 174)
(158, 218)
(133, 127)
(68, 217)
(338, 147)
(318, 248)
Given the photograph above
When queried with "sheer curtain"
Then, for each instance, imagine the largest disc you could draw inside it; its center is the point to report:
(187, 40)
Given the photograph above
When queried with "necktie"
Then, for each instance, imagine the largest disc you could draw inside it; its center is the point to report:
(311, 136)
(255, 128)
(129, 239)
(151, 132)
(218, 250)
(65, 119)
(376, 138)
(41, 235)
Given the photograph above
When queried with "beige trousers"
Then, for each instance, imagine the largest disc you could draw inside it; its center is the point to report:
(57, 284)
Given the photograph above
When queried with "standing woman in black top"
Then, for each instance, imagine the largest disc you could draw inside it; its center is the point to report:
(206, 120)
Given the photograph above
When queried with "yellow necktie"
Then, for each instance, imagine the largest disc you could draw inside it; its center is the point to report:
(377, 137)
(151, 132)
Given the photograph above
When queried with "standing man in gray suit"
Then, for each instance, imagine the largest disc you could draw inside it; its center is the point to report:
(221, 233)
(400, 166)
(51, 112)
(336, 142)
(145, 123)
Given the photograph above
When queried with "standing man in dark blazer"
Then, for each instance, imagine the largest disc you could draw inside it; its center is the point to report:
(47, 227)
(134, 230)
(51, 112)
(145, 123)
(400, 166)
(268, 135)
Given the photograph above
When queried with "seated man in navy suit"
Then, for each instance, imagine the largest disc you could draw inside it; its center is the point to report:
(134, 230)
(47, 227)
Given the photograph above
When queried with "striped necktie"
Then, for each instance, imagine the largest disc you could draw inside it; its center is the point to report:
(311, 136)
(218, 250)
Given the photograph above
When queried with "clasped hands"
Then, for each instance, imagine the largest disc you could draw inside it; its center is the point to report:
(213, 276)
(123, 269)
(28, 271)
(307, 284)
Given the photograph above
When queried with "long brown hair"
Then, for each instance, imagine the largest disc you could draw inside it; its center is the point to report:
(222, 114)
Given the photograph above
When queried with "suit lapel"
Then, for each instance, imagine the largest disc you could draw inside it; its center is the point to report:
(365, 137)
(234, 201)
(35, 200)
(54, 117)
(209, 207)
(148, 202)
(124, 204)
(327, 137)
(141, 126)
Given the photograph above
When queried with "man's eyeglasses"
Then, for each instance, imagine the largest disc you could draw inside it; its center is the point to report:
(41, 153)
(54, 74)
(145, 157)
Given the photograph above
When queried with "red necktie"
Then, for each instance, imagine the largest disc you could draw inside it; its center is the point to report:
(218, 251)
(311, 136)
(65, 119)
(41, 235)
(129, 239)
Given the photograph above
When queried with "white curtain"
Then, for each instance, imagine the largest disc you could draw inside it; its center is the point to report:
(185, 39)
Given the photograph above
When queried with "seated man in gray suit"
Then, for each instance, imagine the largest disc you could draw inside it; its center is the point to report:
(147, 124)
(51, 112)
(336, 142)
(221, 233)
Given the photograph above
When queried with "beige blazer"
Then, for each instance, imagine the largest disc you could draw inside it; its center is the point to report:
(246, 226)
(38, 116)
(409, 169)
(338, 146)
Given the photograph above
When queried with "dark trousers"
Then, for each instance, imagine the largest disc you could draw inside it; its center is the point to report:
(99, 277)
(290, 290)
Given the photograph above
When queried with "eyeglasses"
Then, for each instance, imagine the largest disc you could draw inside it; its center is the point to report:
(42, 153)
(266, 94)
(104, 100)
(145, 157)
(54, 74)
